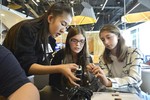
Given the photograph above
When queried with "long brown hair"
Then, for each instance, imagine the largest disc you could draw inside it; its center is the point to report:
(40, 23)
(83, 54)
(121, 47)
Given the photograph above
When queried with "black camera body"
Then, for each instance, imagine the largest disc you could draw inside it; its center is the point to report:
(79, 93)
(78, 74)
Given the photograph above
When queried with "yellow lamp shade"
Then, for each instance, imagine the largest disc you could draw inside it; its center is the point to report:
(136, 17)
(82, 20)
(14, 6)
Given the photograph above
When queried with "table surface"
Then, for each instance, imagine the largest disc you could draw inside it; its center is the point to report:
(114, 96)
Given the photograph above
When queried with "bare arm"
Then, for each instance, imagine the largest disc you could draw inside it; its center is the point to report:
(25, 92)
(65, 69)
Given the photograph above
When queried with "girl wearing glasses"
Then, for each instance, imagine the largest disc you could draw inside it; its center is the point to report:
(75, 51)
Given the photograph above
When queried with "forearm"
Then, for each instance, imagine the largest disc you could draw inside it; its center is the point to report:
(26, 92)
(104, 80)
(44, 69)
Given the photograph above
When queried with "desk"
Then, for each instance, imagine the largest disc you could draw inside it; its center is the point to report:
(47, 94)
(112, 96)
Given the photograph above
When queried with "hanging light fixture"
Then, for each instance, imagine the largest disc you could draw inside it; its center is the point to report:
(87, 16)
(139, 13)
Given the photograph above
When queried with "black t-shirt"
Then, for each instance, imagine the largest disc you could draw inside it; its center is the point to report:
(12, 77)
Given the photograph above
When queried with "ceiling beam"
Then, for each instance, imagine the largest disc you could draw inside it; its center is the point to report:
(108, 7)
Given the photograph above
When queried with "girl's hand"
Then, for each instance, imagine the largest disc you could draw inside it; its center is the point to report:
(90, 67)
(67, 70)
(99, 73)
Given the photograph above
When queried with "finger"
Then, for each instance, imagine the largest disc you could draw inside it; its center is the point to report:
(73, 82)
(89, 67)
(93, 64)
(74, 78)
(95, 70)
(98, 75)
(74, 66)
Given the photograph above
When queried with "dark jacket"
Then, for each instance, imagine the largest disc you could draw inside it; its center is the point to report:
(27, 46)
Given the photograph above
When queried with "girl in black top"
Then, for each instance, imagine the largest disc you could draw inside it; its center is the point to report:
(32, 41)
(75, 51)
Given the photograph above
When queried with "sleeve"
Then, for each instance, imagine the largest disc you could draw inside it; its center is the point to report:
(132, 71)
(25, 47)
(12, 77)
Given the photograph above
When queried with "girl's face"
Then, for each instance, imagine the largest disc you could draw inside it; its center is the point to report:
(110, 40)
(76, 43)
(59, 24)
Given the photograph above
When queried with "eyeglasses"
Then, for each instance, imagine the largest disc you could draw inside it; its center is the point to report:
(75, 41)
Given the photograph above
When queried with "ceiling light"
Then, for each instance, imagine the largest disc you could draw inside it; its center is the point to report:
(98, 13)
(87, 16)
(72, 2)
(136, 17)
(23, 11)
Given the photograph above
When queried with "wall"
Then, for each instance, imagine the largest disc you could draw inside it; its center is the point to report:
(141, 34)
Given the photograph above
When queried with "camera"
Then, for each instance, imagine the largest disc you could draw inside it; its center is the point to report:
(78, 73)
(79, 93)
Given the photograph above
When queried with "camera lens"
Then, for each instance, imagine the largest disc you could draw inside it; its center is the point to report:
(79, 74)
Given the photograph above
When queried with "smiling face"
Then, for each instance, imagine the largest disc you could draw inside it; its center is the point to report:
(77, 43)
(59, 24)
(109, 39)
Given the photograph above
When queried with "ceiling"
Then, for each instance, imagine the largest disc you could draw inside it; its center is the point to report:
(106, 11)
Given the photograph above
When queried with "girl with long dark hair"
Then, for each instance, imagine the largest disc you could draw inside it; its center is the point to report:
(32, 41)
(75, 51)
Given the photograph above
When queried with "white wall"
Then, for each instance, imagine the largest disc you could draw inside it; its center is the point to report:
(143, 36)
